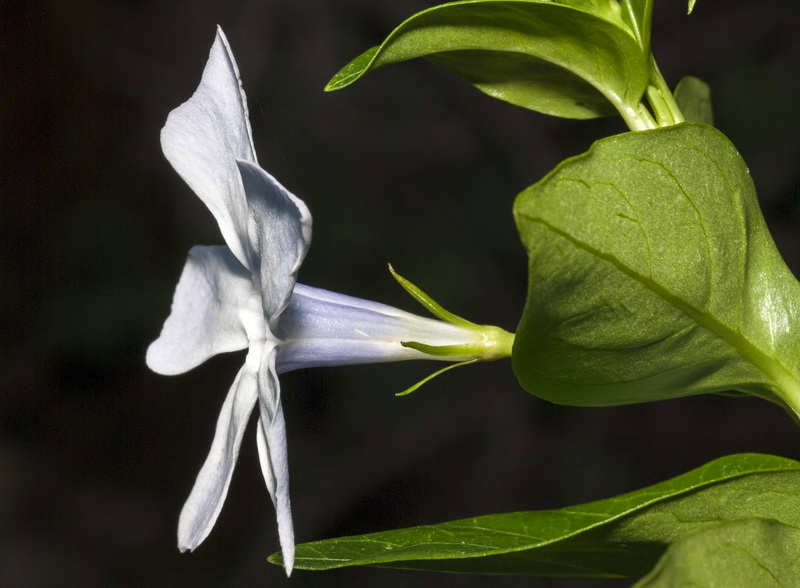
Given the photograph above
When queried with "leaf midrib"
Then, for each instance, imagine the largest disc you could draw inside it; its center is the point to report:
(776, 372)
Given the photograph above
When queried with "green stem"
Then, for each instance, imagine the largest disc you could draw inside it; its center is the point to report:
(637, 118)
(661, 99)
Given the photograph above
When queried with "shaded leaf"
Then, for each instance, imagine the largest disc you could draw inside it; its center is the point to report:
(571, 58)
(621, 536)
(693, 96)
(737, 554)
(652, 275)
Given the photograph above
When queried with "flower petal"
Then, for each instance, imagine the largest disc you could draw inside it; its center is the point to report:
(280, 233)
(205, 135)
(323, 328)
(210, 301)
(205, 502)
(272, 453)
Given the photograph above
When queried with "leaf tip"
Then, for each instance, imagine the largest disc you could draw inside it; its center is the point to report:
(337, 82)
(352, 71)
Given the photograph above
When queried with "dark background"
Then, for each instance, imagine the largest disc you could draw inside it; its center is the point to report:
(410, 166)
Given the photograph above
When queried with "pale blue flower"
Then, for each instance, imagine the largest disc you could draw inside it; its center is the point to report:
(244, 296)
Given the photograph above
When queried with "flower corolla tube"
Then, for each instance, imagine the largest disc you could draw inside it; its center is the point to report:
(244, 295)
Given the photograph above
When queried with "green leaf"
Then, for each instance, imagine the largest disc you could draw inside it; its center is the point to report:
(638, 16)
(739, 554)
(617, 537)
(569, 58)
(693, 96)
(691, 5)
(652, 275)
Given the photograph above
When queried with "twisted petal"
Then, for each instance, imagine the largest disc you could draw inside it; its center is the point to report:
(323, 328)
(205, 502)
(204, 136)
(211, 297)
(280, 231)
(271, 438)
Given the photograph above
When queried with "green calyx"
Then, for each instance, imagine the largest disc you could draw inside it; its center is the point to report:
(495, 343)
(490, 342)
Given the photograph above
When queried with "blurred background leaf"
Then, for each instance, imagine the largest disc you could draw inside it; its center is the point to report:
(693, 96)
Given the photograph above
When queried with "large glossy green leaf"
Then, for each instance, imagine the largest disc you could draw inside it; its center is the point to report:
(693, 96)
(652, 275)
(569, 58)
(621, 536)
(751, 553)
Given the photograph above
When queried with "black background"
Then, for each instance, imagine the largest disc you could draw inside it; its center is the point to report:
(410, 166)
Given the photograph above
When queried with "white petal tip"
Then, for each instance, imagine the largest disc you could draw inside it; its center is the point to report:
(288, 565)
(287, 550)
(189, 537)
(185, 544)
